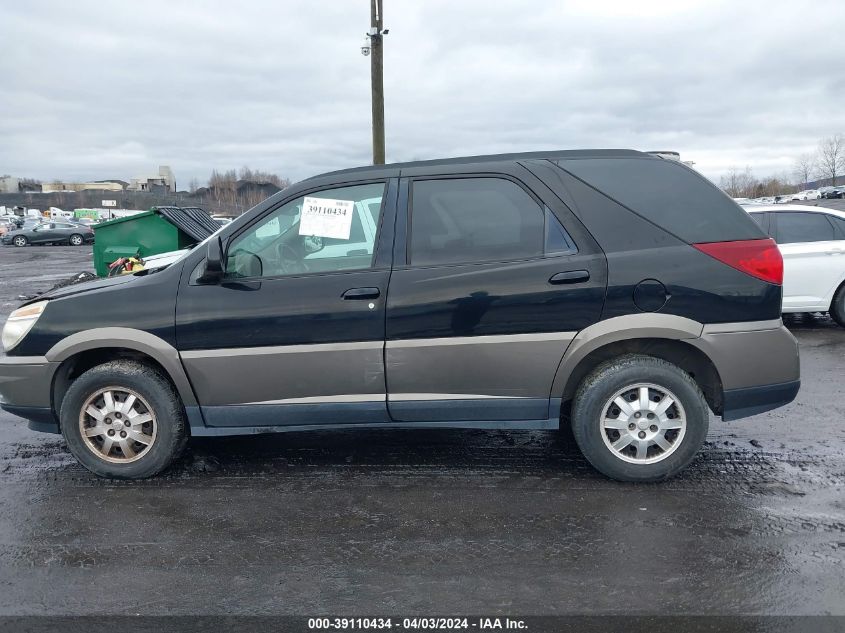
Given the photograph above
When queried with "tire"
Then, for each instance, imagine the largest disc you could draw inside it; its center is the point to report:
(76, 240)
(837, 306)
(682, 426)
(20, 240)
(161, 440)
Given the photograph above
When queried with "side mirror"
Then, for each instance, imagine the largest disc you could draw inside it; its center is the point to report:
(213, 263)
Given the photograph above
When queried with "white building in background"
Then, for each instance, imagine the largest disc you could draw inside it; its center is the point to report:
(9, 184)
(55, 187)
(164, 178)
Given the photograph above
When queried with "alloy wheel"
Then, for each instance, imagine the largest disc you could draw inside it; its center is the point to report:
(643, 423)
(117, 425)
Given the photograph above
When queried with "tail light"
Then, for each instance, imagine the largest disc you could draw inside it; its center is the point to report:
(758, 258)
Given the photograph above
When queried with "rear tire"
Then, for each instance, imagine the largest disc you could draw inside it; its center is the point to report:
(837, 306)
(123, 420)
(76, 240)
(658, 429)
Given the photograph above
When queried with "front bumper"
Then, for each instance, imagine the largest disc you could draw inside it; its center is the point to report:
(757, 362)
(25, 389)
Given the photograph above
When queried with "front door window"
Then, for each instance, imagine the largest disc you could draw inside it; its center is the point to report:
(326, 231)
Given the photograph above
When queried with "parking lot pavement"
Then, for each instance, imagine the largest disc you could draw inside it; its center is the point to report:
(432, 522)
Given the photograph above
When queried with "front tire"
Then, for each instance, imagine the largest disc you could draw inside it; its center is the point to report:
(20, 240)
(639, 418)
(76, 240)
(123, 420)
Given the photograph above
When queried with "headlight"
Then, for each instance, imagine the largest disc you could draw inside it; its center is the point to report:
(20, 322)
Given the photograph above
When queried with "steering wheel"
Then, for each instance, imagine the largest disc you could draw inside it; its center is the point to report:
(289, 260)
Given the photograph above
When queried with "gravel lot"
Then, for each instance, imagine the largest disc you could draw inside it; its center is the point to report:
(431, 522)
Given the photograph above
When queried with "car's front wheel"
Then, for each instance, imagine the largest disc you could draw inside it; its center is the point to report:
(76, 240)
(20, 240)
(639, 418)
(123, 419)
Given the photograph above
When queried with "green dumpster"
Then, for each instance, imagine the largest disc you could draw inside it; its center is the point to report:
(159, 230)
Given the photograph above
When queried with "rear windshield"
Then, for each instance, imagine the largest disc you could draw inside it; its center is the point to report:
(668, 194)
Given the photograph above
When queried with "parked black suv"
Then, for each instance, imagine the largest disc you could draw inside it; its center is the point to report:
(613, 291)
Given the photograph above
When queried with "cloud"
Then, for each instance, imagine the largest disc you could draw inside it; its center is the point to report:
(99, 90)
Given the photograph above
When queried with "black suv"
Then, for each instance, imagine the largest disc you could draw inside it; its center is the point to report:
(613, 291)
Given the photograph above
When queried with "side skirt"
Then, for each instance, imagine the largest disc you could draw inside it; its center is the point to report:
(550, 423)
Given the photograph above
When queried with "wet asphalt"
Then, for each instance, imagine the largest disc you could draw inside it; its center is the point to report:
(431, 522)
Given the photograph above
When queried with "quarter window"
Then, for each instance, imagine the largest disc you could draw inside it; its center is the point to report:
(473, 220)
(338, 234)
(803, 227)
(839, 223)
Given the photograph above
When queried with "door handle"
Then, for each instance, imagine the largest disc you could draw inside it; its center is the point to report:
(836, 251)
(570, 277)
(361, 293)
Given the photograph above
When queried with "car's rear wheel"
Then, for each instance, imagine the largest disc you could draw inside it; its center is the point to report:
(76, 240)
(123, 419)
(20, 240)
(837, 306)
(639, 418)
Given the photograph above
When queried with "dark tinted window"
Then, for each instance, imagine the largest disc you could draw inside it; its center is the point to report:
(473, 220)
(762, 219)
(558, 241)
(839, 223)
(803, 227)
(668, 194)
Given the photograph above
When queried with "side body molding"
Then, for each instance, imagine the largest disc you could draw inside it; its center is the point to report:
(622, 328)
(128, 338)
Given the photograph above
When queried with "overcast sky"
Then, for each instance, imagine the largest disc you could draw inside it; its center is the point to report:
(94, 90)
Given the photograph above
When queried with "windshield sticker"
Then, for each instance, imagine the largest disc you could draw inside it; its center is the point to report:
(326, 218)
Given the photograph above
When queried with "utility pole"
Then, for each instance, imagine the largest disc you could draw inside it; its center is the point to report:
(377, 80)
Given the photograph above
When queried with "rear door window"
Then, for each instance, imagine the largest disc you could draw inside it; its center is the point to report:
(793, 228)
(668, 194)
(762, 219)
(459, 220)
(839, 225)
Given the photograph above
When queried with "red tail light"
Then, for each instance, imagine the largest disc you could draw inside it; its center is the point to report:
(758, 258)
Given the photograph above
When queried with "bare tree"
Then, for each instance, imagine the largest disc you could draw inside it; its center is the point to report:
(775, 185)
(831, 157)
(804, 168)
(260, 177)
(193, 185)
(28, 184)
(739, 184)
(238, 190)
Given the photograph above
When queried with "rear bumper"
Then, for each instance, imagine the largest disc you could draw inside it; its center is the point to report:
(742, 403)
(758, 365)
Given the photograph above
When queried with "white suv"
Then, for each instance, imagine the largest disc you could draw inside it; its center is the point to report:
(812, 242)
